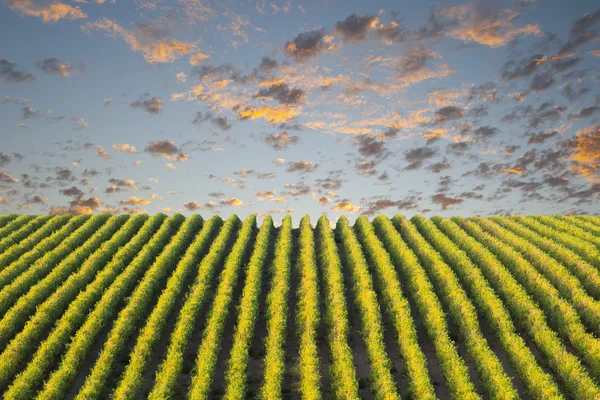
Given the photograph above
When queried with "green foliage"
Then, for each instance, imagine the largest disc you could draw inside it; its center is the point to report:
(342, 372)
(539, 384)
(308, 314)
(71, 285)
(495, 264)
(277, 310)
(24, 384)
(398, 309)
(366, 299)
(211, 339)
(168, 372)
(430, 310)
(140, 356)
(248, 313)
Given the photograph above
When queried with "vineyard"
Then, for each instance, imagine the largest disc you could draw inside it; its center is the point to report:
(158, 307)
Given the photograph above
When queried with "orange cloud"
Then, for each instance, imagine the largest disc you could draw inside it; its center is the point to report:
(124, 147)
(49, 13)
(274, 115)
(587, 152)
(197, 58)
(486, 26)
(232, 202)
(153, 42)
(134, 201)
(346, 206)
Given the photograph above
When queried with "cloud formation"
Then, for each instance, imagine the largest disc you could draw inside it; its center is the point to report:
(154, 42)
(14, 73)
(48, 12)
(53, 66)
(153, 105)
(309, 44)
(166, 149)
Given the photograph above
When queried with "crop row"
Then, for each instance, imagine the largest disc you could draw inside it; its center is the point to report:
(249, 304)
(141, 355)
(11, 359)
(276, 313)
(170, 368)
(206, 359)
(164, 307)
(308, 314)
(499, 272)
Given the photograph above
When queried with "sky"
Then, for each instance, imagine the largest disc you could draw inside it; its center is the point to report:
(300, 107)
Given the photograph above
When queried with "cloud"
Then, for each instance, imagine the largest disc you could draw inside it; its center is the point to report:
(14, 73)
(6, 178)
(547, 111)
(282, 93)
(481, 23)
(108, 102)
(586, 151)
(223, 72)
(513, 69)
(117, 185)
(585, 112)
(268, 64)
(192, 205)
(124, 148)
(166, 149)
(345, 206)
(78, 206)
(377, 206)
(448, 113)
(198, 57)
(329, 184)
(73, 191)
(181, 77)
(417, 155)
(369, 146)
(296, 190)
(221, 123)
(542, 81)
(154, 42)
(30, 113)
(4, 160)
(152, 105)
(439, 166)
(412, 67)
(199, 118)
(301, 166)
(392, 33)
(280, 141)
(49, 13)
(541, 137)
(134, 201)
(232, 201)
(486, 131)
(564, 64)
(309, 45)
(274, 115)
(581, 32)
(355, 27)
(445, 201)
(101, 152)
(265, 195)
(53, 66)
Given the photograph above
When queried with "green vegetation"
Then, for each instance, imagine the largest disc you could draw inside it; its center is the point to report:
(121, 307)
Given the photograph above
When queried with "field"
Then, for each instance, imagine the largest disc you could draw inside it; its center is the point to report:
(159, 307)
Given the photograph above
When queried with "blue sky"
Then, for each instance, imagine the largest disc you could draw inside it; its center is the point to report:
(192, 106)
